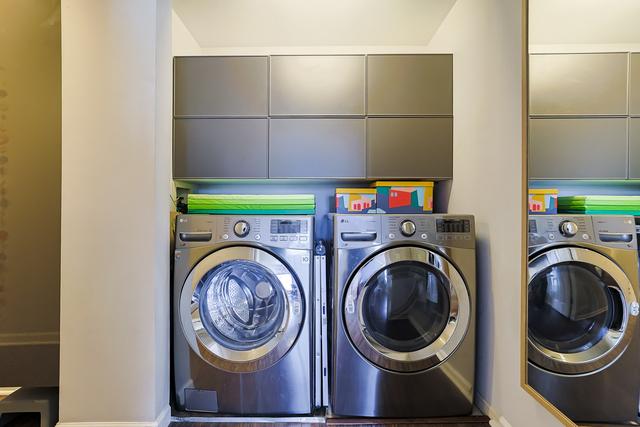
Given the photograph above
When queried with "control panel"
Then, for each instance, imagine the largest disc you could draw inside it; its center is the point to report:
(293, 232)
(352, 231)
(607, 230)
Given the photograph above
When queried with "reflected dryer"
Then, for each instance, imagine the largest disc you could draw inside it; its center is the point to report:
(583, 344)
(241, 314)
(403, 315)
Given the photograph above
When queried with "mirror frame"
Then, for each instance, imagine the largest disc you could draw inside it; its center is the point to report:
(525, 232)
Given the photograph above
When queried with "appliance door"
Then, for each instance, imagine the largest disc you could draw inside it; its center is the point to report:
(407, 309)
(241, 309)
(581, 310)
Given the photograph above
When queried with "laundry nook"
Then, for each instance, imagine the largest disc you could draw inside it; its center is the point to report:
(319, 213)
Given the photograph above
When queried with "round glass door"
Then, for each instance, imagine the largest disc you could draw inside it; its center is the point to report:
(577, 310)
(242, 304)
(241, 309)
(406, 306)
(407, 309)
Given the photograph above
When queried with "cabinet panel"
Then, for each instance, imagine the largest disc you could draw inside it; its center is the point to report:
(578, 148)
(410, 147)
(574, 84)
(317, 148)
(410, 84)
(317, 85)
(220, 86)
(220, 148)
(634, 148)
(634, 84)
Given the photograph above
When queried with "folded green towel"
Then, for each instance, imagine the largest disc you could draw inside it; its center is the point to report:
(251, 203)
(253, 211)
(277, 198)
(600, 212)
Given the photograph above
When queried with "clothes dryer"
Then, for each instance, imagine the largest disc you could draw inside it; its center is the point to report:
(583, 343)
(403, 315)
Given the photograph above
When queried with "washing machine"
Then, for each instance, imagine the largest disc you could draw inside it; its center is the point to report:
(403, 315)
(583, 343)
(242, 330)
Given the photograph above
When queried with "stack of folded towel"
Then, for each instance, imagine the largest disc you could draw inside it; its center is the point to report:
(252, 204)
(600, 205)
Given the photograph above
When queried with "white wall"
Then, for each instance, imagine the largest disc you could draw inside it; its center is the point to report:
(578, 26)
(116, 142)
(485, 37)
(182, 41)
(263, 23)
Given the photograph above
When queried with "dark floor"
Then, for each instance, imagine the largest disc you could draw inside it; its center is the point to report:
(471, 421)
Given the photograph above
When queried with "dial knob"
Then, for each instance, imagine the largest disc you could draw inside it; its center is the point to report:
(241, 228)
(408, 228)
(568, 228)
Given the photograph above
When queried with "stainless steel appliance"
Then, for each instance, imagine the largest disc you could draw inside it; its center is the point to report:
(583, 343)
(403, 318)
(242, 328)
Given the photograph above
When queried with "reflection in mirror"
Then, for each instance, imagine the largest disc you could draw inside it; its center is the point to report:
(582, 331)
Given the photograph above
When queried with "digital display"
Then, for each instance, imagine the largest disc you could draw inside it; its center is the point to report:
(533, 226)
(453, 226)
(286, 226)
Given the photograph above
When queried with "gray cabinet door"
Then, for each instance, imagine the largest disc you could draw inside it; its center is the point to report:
(578, 84)
(317, 148)
(221, 86)
(220, 148)
(410, 85)
(410, 147)
(634, 148)
(317, 85)
(634, 84)
(578, 148)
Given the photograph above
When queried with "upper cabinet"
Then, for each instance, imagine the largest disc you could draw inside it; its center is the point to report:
(578, 148)
(634, 148)
(409, 85)
(410, 147)
(313, 116)
(207, 86)
(578, 84)
(220, 148)
(317, 148)
(634, 84)
(317, 85)
(584, 109)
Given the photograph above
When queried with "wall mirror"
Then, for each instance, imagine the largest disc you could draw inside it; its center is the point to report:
(581, 332)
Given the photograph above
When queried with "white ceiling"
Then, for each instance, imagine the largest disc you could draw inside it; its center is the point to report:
(259, 23)
(584, 21)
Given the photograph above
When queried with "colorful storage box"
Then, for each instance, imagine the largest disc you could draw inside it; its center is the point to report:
(355, 200)
(543, 201)
(404, 196)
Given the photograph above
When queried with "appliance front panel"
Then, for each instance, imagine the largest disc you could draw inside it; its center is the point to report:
(241, 309)
(237, 392)
(582, 310)
(407, 309)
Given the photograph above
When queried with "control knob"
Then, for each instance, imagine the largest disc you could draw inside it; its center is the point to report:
(568, 228)
(408, 228)
(241, 228)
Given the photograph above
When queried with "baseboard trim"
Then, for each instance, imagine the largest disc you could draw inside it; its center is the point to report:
(497, 420)
(163, 420)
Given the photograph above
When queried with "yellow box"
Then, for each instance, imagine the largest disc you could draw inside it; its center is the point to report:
(543, 201)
